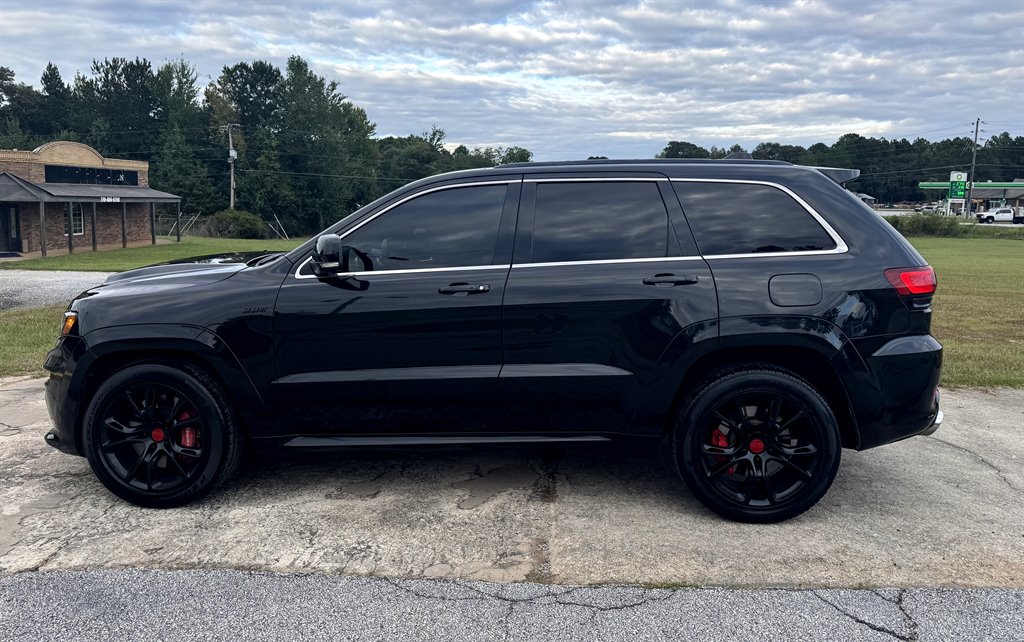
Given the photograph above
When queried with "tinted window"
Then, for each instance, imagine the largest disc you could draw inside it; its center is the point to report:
(735, 218)
(450, 228)
(594, 221)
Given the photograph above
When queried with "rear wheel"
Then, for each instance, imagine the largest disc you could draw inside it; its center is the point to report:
(757, 445)
(159, 435)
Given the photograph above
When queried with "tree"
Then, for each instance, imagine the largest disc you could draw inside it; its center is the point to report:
(177, 170)
(683, 149)
(253, 90)
(122, 90)
(776, 151)
(57, 101)
(516, 155)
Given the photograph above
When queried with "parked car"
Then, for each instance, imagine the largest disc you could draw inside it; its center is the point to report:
(928, 208)
(1002, 215)
(543, 302)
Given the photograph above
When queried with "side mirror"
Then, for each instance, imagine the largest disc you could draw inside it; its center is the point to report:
(330, 257)
(327, 255)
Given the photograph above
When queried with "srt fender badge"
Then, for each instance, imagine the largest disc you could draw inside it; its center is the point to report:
(256, 309)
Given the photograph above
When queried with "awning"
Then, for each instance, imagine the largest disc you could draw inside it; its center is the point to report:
(983, 189)
(13, 188)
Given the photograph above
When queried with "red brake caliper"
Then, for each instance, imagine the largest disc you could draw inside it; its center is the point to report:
(188, 433)
(719, 439)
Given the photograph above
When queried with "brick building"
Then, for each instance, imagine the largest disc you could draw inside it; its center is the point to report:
(66, 195)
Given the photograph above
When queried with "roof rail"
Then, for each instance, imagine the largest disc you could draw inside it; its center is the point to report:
(643, 161)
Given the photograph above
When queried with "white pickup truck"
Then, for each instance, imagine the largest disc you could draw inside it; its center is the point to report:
(1002, 215)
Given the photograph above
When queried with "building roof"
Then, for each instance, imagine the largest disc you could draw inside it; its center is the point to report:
(15, 189)
(131, 194)
(65, 152)
(18, 190)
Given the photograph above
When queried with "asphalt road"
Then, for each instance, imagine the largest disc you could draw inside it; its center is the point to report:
(233, 605)
(29, 288)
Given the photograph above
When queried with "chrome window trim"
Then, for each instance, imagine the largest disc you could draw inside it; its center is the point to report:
(410, 271)
(603, 179)
(390, 207)
(840, 248)
(655, 259)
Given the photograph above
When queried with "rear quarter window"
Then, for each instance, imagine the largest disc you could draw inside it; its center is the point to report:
(743, 218)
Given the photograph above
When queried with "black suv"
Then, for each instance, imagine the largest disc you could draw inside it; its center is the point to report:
(755, 313)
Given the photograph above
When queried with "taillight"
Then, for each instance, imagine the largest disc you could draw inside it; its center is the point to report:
(915, 281)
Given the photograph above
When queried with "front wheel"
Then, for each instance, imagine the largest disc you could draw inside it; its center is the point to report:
(160, 435)
(989, 219)
(757, 445)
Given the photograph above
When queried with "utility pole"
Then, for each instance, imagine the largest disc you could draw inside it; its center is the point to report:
(232, 155)
(970, 176)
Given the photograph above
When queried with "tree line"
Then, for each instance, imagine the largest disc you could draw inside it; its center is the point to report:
(307, 155)
(890, 168)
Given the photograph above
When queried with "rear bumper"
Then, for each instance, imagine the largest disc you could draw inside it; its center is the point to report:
(937, 421)
(898, 395)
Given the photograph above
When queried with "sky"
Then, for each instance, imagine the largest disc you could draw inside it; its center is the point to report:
(574, 79)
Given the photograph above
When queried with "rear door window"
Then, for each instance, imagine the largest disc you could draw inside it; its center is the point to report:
(743, 218)
(593, 221)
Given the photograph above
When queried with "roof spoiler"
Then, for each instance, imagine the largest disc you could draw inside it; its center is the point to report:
(839, 174)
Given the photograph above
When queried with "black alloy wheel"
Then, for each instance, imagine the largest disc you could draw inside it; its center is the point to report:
(158, 436)
(758, 445)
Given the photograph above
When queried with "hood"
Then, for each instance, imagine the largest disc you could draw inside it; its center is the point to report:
(203, 269)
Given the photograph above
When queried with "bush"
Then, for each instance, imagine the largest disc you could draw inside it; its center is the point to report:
(927, 225)
(951, 226)
(237, 224)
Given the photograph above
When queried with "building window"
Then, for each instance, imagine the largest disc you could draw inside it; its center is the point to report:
(73, 219)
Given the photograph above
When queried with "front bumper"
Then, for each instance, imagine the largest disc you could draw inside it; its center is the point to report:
(61, 394)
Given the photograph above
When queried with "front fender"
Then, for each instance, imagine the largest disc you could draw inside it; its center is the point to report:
(112, 347)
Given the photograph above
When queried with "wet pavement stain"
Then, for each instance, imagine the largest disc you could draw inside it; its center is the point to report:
(367, 489)
(11, 529)
(493, 482)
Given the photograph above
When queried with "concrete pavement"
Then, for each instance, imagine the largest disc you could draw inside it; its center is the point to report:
(941, 511)
(232, 605)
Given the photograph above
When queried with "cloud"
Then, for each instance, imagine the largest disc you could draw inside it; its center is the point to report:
(577, 78)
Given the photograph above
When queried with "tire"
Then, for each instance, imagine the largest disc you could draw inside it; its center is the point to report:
(747, 466)
(989, 219)
(161, 435)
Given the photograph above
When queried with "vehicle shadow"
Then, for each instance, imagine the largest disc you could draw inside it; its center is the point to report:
(473, 473)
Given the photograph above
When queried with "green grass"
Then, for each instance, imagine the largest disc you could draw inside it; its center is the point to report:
(979, 308)
(133, 257)
(25, 338)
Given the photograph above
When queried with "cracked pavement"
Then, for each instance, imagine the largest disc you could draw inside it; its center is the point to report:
(233, 605)
(929, 513)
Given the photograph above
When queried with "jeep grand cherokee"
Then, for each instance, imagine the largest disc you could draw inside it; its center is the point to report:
(755, 314)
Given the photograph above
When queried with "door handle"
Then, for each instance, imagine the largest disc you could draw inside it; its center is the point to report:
(670, 280)
(464, 289)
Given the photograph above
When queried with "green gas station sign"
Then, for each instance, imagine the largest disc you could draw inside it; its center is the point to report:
(957, 186)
